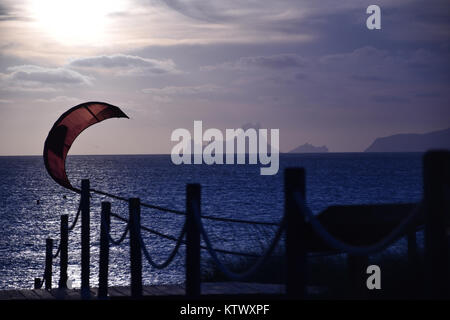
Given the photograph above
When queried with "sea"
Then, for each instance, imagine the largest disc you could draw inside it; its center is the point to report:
(31, 204)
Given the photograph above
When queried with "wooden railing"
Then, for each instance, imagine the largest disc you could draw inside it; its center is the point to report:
(341, 222)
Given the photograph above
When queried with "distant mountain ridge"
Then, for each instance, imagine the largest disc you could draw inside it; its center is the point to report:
(309, 148)
(412, 142)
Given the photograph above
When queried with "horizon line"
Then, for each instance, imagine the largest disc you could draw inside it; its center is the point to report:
(168, 154)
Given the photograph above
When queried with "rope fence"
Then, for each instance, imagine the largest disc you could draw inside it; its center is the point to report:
(175, 239)
(213, 252)
(178, 212)
(295, 223)
(122, 237)
(72, 226)
(339, 245)
(171, 255)
(62, 250)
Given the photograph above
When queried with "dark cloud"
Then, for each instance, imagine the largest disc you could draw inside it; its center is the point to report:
(127, 64)
(423, 59)
(208, 11)
(373, 64)
(369, 78)
(278, 61)
(310, 68)
(389, 99)
(4, 13)
(420, 20)
(32, 73)
(428, 95)
(183, 90)
(170, 93)
(300, 76)
(7, 13)
(362, 56)
(37, 78)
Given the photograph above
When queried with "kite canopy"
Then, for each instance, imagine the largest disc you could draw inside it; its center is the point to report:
(66, 129)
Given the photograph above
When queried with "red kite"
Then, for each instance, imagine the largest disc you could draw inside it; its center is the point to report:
(66, 129)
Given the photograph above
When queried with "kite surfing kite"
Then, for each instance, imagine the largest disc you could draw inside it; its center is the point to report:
(66, 129)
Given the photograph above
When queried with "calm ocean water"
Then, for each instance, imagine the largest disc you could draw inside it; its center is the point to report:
(227, 191)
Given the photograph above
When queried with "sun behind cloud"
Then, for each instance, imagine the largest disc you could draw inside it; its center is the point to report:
(74, 22)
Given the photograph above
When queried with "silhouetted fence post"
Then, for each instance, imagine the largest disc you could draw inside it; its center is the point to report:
(48, 263)
(412, 245)
(63, 254)
(436, 166)
(37, 283)
(85, 239)
(357, 266)
(135, 247)
(294, 180)
(193, 240)
(413, 258)
(104, 250)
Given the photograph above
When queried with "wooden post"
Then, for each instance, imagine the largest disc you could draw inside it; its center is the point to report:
(63, 254)
(48, 263)
(412, 247)
(85, 239)
(193, 241)
(37, 283)
(135, 247)
(357, 266)
(436, 174)
(413, 260)
(104, 250)
(294, 180)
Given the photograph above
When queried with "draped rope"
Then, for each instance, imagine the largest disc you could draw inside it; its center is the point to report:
(230, 274)
(178, 212)
(169, 237)
(74, 223)
(121, 238)
(333, 242)
(171, 255)
(337, 244)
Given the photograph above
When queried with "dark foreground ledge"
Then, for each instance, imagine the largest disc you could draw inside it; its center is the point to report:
(209, 290)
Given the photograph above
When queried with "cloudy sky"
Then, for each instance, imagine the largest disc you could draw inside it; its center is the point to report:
(308, 68)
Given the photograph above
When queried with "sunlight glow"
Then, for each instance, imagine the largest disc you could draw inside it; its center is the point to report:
(74, 22)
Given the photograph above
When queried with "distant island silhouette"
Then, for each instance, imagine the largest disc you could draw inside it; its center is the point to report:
(309, 148)
(412, 142)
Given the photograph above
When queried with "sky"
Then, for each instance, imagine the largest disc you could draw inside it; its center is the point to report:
(308, 68)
